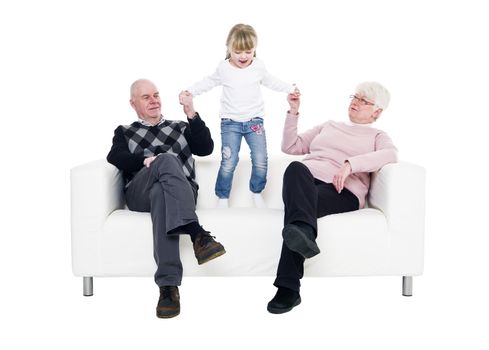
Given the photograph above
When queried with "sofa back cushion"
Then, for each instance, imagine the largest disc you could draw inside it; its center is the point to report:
(206, 174)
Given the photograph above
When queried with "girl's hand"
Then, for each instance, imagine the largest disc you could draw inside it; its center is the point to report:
(183, 96)
(297, 92)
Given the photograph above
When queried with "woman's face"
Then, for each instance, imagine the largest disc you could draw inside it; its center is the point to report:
(362, 110)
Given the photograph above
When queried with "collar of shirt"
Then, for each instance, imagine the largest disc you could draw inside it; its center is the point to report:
(145, 123)
(350, 123)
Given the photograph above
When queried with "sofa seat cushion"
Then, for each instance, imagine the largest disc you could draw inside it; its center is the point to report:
(351, 243)
(354, 243)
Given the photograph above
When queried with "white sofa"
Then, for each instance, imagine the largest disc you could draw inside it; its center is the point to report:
(384, 239)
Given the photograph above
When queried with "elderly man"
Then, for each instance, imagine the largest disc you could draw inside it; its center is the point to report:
(155, 155)
(333, 178)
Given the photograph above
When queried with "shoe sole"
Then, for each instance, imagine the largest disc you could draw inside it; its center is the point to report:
(273, 310)
(163, 315)
(297, 241)
(212, 256)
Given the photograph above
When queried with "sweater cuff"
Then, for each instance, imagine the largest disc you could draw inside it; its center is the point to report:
(195, 118)
(353, 165)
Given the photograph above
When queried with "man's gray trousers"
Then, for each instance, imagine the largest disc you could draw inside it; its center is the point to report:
(164, 191)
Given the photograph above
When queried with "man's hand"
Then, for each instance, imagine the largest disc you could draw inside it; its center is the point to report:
(147, 161)
(187, 101)
(340, 177)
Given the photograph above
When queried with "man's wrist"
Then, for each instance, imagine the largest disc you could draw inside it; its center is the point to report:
(192, 115)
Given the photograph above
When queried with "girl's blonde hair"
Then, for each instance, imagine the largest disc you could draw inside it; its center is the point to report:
(241, 37)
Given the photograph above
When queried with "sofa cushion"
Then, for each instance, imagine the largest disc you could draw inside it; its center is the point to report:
(240, 197)
(350, 243)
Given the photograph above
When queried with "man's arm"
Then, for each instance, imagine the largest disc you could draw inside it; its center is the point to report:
(198, 136)
(197, 133)
(121, 157)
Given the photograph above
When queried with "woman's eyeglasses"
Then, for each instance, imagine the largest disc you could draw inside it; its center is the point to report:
(361, 100)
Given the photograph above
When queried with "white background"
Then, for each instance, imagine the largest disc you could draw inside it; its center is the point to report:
(65, 71)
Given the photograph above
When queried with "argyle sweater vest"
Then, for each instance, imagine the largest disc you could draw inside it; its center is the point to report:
(168, 137)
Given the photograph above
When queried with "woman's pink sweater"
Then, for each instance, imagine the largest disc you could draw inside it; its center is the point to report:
(329, 145)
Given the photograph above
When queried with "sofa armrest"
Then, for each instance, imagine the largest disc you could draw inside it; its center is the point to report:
(96, 191)
(398, 190)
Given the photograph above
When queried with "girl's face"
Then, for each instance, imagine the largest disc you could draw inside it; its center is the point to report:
(241, 59)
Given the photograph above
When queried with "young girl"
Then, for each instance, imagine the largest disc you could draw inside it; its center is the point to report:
(242, 110)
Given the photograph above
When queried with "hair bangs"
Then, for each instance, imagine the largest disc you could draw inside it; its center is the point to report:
(243, 42)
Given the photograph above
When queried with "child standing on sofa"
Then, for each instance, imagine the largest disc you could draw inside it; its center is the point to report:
(242, 110)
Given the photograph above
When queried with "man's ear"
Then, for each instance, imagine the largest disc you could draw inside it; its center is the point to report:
(377, 113)
(131, 102)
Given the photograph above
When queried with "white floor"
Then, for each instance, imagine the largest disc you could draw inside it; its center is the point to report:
(230, 313)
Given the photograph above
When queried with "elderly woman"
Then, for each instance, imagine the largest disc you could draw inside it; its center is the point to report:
(334, 177)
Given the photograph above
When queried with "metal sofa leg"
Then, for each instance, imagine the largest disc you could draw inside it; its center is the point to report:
(88, 286)
(407, 286)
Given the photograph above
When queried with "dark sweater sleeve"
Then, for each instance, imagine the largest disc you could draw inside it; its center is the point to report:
(121, 157)
(199, 137)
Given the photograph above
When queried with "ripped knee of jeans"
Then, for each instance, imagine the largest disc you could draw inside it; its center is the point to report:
(226, 152)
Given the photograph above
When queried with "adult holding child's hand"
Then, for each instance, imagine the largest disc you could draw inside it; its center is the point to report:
(333, 177)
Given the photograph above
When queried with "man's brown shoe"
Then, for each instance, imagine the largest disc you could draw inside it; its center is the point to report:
(169, 302)
(206, 248)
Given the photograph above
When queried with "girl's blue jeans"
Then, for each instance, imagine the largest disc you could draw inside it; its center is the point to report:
(231, 134)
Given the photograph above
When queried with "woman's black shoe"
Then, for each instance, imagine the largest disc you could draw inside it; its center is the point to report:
(284, 301)
(301, 240)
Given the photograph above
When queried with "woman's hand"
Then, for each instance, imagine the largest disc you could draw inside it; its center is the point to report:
(341, 175)
(294, 101)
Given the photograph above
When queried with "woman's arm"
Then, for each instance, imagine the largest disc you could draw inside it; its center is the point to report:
(292, 143)
(385, 152)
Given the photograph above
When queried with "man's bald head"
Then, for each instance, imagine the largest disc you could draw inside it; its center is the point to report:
(145, 99)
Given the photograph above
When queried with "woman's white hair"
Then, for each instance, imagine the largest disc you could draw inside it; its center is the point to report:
(375, 93)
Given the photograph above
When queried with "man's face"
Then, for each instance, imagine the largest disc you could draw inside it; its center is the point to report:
(146, 102)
